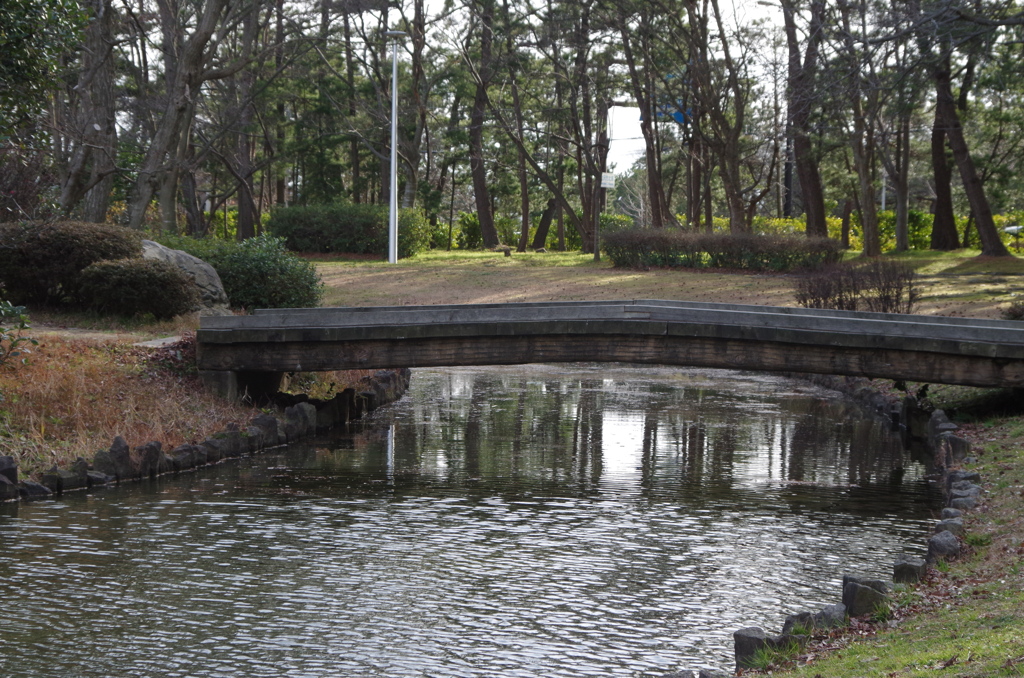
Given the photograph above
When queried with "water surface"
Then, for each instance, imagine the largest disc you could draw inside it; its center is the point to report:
(542, 521)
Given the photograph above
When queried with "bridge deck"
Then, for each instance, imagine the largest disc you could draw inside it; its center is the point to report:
(919, 348)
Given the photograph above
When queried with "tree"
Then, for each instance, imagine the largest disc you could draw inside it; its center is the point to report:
(637, 31)
(34, 36)
(483, 73)
(939, 32)
(189, 61)
(804, 91)
(90, 130)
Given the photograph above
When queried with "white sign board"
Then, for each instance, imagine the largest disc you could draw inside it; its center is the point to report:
(607, 180)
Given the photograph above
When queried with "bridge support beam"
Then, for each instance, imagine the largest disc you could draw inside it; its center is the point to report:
(237, 385)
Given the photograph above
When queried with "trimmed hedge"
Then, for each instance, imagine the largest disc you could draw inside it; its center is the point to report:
(644, 248)
(257, 273)
(133, 287)
(41, 263)
(350, 229)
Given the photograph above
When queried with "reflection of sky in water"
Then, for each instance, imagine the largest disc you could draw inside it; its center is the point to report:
(534, 521)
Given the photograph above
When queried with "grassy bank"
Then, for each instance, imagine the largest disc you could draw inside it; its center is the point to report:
(78, 392)
(81, 388)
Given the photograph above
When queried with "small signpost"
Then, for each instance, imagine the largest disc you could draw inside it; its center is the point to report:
(607, 181)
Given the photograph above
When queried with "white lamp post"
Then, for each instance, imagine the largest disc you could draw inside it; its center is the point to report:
(393, 206)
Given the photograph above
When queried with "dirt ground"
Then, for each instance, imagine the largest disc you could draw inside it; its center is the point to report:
(522, 277)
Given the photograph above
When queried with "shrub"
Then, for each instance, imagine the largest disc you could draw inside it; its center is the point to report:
(835, 287)
(13, 322)
(414, 232)
(643, 248)
(508, 229)
(356, 229)
(879, 285)
(780, 225)
(1015, 311)
(133, 287)
(41, 263)
(257, 273)
(439, 235)
(469, 236)
(615, 222)
(919, 229)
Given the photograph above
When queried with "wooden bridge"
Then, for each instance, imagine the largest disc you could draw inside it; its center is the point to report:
(251, 352)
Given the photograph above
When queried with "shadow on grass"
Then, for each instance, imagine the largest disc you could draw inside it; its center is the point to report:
(965, 404)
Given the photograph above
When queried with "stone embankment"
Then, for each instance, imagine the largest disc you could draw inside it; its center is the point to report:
(298, 417)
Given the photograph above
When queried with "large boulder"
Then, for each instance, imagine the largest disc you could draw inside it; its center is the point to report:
(211, 289)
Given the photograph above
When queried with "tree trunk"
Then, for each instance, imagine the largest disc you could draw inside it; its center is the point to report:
(89, 177)
(845, 228)
(803, 94)
(902, 185)
(280, 180)
(643, 90)
(540, 238)
(182, 90)
(861, 144)
(991, 244)
(247, 212)
(477, 169)
(944, 233)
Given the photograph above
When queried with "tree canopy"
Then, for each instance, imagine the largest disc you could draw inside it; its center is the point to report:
(873, 118)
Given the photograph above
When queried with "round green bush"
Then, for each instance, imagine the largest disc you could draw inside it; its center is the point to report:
(132, 287)
(41, 263)
(355, 229)
(257, 273)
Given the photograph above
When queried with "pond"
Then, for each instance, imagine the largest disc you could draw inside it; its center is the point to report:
(584, 520)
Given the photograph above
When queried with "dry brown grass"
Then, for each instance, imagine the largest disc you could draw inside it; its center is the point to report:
(75, 395)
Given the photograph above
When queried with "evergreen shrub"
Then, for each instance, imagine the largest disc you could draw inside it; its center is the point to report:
(42, 262)
(131, 287)
(644, 248)
(350, 229)
(469, 236)
(257, 273)
(615, 222)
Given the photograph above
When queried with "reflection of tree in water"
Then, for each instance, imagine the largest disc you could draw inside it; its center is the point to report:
(471, 438)
(830, 435)
(490, 424)
(587, 453)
